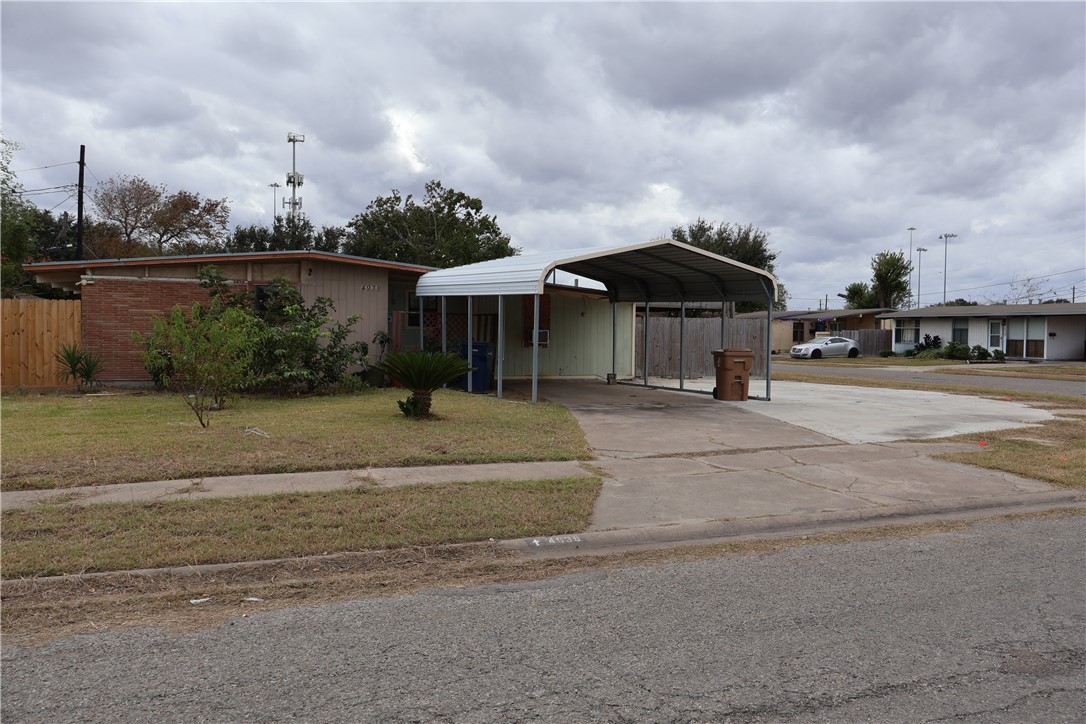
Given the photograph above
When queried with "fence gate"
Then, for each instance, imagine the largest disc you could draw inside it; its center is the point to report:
(33, 331)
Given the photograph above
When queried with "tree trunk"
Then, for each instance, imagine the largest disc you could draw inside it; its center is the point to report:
(425, 399)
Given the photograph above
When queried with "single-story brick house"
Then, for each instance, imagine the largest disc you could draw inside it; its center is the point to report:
(1021, 331)
(122, 296)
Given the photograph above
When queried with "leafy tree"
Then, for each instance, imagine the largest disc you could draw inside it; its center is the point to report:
(960, 302)
(746, 244)
(889, 286)
(286, 234)
(447, 229)
(890, 272)
(27, 233)
(860, 295)
(422, 373)
(147, 220)
(205, 357)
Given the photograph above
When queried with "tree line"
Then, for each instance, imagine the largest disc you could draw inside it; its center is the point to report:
(132, 217)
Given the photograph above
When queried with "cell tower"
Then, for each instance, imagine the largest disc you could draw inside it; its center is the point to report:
(294, 179)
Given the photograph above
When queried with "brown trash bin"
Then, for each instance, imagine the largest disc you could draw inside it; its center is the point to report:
(732, 373)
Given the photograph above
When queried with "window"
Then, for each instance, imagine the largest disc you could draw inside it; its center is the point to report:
(960, 331)
(906, 331)
(799, 331)
(995, 334)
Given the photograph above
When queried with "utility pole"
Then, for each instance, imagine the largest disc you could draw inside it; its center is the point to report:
(946, 241)
(79, 205)
(294, 179)
(911, 229)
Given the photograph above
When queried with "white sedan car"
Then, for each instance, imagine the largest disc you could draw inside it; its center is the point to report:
(820, 347)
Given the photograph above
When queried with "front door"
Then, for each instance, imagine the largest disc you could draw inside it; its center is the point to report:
(995, 334)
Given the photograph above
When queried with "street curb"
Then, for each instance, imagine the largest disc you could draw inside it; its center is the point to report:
(598, 542)
(716, 530)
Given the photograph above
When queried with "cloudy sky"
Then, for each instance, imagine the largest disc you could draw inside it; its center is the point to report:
(834, 127)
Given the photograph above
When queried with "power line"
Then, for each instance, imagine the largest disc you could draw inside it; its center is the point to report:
(55, 165)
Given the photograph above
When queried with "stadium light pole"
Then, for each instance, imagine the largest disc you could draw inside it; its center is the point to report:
(919, 262)
(946, 242)
(911, 229)
(274, 187)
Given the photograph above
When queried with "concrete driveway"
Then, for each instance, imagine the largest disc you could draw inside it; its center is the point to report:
(679, 459)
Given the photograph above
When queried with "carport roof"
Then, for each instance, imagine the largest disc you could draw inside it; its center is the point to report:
(656, 271)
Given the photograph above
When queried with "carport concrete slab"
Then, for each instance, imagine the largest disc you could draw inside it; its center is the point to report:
(871, 414)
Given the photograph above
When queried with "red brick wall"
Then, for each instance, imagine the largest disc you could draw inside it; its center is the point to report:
(112, 309)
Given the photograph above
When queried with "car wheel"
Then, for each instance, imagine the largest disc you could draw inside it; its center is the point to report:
(854, 352)
(817, 354)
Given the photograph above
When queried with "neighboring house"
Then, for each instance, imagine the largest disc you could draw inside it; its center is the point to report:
(122, 296)
(795, 327)
(1021, 331)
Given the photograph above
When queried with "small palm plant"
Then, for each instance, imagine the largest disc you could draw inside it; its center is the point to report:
(422, 373)
(79, 366)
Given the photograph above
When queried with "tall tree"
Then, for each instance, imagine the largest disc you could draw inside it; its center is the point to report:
(447, 229)
(286, 234)
(27, 233)
(147, 220)
(746, 244)
(889, 286)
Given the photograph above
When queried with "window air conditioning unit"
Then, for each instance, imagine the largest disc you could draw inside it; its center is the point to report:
(544, 336)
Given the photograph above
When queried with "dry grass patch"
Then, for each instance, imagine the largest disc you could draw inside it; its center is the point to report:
(1054, 451)
(58, 441)
(53, 540)
(1016, 395)
(1073, 372)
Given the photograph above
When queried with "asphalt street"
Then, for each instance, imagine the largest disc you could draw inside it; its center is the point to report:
(979, 625)
(920, 374)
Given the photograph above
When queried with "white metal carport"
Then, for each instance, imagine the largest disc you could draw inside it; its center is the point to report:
(656, 271)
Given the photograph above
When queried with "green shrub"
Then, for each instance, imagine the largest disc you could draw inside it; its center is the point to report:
(979, 353)
(956, 350)
(910, 353)
(998, 355)
(205, 357)
(887, 353)
(930, 354)
(422, 373)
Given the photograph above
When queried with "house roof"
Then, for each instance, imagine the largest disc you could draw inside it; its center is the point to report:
(992, 310)
(55, 266)
(818, 315)
(656, 271)
(66, 274)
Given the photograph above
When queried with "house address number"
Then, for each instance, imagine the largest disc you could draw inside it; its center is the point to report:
(370, 287)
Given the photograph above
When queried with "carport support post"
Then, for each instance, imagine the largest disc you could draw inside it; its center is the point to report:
(471, 343)
(645, 346)
(682, 341)
(422, 326)
(614, 343)
(535, 351)
(768, 345)
(499, 353)
(722, 303)
(444, 329)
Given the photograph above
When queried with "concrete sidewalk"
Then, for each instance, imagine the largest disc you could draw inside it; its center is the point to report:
(681, 466)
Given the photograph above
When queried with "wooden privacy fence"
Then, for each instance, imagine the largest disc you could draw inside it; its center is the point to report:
(33, 331)
(702, 337)
(871, 341)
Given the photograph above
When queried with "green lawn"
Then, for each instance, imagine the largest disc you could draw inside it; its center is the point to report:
(58, 441)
